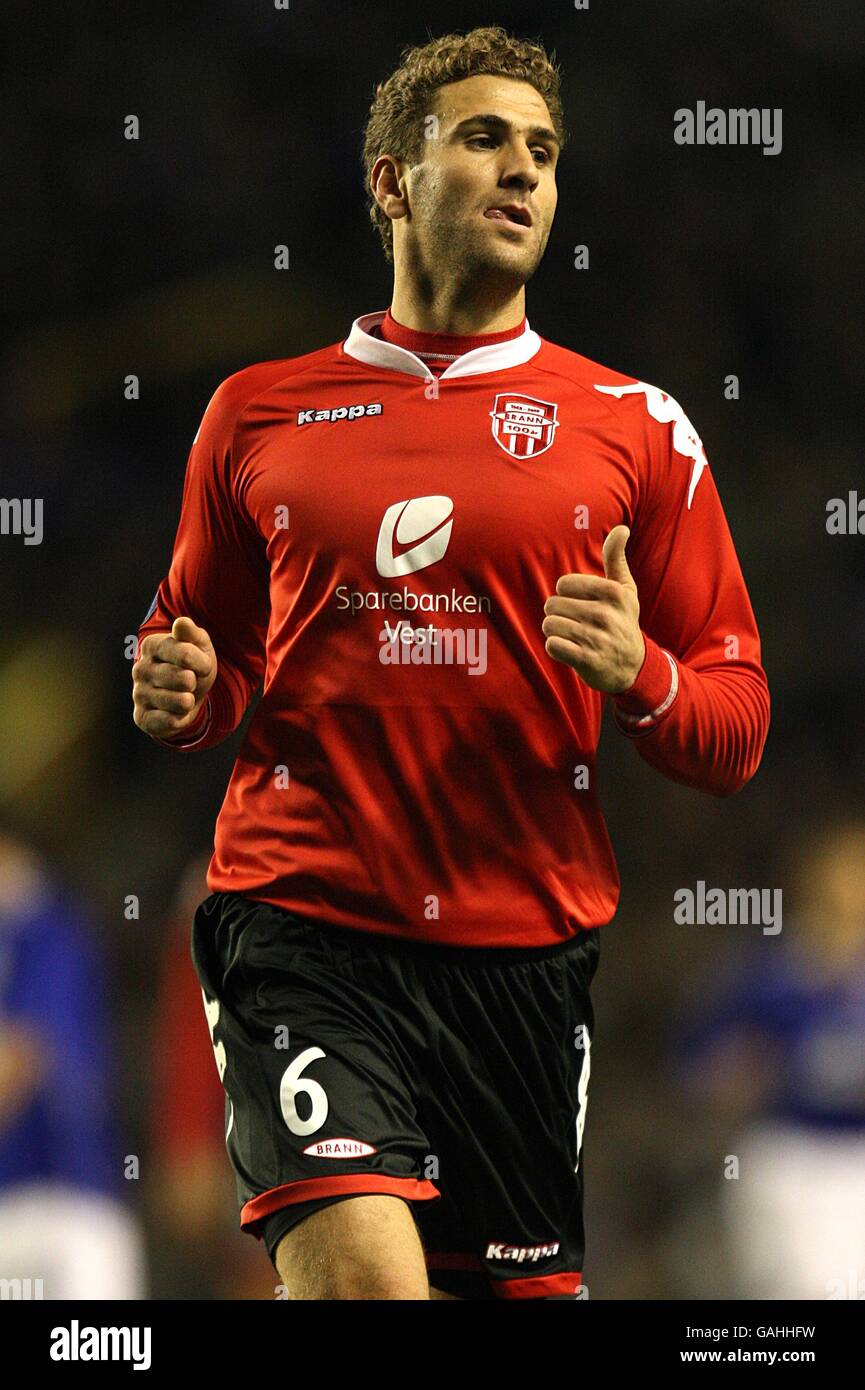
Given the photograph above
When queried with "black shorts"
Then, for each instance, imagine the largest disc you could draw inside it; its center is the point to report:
(453, 1078)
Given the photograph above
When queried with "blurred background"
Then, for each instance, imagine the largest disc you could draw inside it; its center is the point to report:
(725, 1144)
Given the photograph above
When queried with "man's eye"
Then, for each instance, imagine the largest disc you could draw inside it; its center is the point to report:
(539, 149)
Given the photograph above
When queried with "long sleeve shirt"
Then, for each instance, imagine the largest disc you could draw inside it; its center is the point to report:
(376, 544)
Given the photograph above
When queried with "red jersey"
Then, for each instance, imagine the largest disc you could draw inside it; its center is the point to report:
(376, 543)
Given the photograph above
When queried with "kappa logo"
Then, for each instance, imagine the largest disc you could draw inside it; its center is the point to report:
(522, 425)
(498, 1250)
(424, 524)
(339, 1148)
(339, 412)
(665, 410)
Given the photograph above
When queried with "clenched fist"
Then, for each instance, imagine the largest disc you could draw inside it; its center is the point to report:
(593, 624)
(171, 678)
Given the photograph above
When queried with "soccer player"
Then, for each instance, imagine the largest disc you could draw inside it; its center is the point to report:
(444, 544)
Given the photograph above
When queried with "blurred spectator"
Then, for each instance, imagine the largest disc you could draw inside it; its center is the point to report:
(779, 1052)
(63, 1215)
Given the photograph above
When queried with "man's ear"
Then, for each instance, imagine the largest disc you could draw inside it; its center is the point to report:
(388, 185)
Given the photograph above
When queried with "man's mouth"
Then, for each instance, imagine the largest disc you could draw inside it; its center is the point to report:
(512, 213)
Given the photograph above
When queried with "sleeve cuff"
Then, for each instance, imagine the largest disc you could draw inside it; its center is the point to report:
(653, 692)
(195, 733)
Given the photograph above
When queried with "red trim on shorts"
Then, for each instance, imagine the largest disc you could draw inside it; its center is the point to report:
(311, 1189)
(537, 1286)
(438, 1259)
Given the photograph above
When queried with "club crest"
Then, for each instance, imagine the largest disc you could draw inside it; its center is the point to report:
(523, 426)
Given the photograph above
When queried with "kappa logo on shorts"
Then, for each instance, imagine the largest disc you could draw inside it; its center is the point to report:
(498, 1250)
(339, 1148)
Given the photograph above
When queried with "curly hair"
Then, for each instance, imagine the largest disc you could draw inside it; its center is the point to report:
(401, 103)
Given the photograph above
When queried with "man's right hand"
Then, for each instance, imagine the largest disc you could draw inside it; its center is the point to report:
(171, 678)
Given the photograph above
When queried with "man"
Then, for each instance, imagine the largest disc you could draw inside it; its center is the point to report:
(417, 537)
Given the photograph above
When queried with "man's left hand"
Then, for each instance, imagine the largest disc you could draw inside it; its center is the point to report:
(593, 624)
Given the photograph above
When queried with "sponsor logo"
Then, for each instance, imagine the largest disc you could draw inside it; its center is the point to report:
(498, 1250)
(338, 412)
(339, 1148)
(523, 426)
(404, 600)
(422, 523)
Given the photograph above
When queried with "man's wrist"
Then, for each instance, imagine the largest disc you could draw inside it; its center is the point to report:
(654, 689)
(194, 732)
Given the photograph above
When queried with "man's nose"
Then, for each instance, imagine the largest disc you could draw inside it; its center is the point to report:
(522, 166)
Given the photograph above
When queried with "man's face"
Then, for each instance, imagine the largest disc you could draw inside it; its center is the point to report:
(494, 148)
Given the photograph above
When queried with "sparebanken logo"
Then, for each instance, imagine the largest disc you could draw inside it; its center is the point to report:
(422, 523)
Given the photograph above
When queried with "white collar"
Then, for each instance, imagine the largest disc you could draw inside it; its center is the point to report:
(492, 358)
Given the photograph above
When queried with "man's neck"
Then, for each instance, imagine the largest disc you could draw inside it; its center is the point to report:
(443, 313)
